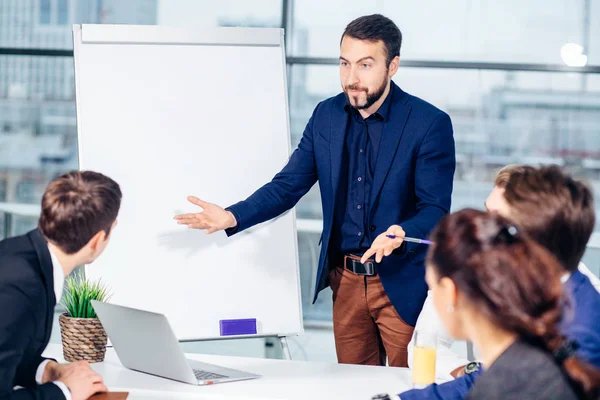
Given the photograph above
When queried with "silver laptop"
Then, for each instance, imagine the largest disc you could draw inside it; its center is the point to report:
(145, 342)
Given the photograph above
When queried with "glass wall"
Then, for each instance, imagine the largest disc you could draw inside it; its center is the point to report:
(501, 112)
(480, 49)
(457, 30)
(499, 118)
(38, 137)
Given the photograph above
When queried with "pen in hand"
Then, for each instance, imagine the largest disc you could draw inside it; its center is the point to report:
(409, 239)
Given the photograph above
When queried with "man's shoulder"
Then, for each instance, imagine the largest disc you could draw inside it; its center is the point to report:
(15, 245)
(17, 262)
(584, 293)
(424, 108)
(19, 277)
(584, 309)
(16, 267)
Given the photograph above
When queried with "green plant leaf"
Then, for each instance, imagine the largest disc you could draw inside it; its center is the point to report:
(79, 294)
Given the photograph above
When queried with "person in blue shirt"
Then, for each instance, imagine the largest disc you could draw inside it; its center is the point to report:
(557, 211)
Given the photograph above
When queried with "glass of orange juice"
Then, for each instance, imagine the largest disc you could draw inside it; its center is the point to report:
(423, 371)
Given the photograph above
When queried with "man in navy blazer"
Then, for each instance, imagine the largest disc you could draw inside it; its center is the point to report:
(385, 162)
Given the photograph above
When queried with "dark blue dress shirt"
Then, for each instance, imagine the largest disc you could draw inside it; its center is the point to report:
(352, 230)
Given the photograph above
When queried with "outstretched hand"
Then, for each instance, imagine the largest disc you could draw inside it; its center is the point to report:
(211, 219)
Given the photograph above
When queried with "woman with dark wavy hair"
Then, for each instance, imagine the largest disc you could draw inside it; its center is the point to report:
(496, 287)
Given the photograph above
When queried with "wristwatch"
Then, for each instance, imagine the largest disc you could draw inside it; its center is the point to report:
(472, 367)
(385, 396)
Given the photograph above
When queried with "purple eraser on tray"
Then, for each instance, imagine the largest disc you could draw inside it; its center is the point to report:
(230, 327)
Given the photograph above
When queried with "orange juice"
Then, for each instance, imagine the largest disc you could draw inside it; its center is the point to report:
(424, 365)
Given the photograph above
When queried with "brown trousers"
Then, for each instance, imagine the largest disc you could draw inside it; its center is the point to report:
(366, 326)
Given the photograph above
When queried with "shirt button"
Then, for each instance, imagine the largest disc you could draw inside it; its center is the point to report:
(359, 179)
(372, 228)
(359, 233)
(359, 206)
(361, 151)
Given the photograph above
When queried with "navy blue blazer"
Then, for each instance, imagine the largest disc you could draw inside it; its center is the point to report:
(580, 324)
(412, 186)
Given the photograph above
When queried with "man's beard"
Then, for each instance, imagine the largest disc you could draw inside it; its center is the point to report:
(372, 98)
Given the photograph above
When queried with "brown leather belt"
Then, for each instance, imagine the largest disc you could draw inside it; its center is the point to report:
(353, 264)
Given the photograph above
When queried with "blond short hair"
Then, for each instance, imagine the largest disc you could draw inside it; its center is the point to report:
(503, 174)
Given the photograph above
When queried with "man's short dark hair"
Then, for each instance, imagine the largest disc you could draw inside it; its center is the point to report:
(556, 210)
(376, 27)
(76, 206)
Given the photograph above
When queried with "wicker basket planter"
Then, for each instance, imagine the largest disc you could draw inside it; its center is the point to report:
(83, 339)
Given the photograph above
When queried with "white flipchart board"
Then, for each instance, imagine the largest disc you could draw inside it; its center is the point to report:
(170, 112)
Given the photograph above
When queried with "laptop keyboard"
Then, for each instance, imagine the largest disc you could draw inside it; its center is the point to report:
(203, 375)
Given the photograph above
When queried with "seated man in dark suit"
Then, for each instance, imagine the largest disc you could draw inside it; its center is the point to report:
(79, 209)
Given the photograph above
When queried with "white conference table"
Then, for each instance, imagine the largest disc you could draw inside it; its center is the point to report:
(280, 379)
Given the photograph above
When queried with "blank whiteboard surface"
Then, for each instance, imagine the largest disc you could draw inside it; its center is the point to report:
(169, 113)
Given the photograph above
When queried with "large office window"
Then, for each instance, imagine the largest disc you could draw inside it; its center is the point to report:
(494, 66)
(62, 12)
(499, 118)
(38, 133)
(474, 61)
(457, 30)
(256, 13)
(45, 12)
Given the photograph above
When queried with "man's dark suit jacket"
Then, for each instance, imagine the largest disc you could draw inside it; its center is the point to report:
(412, 187)
(27, 303)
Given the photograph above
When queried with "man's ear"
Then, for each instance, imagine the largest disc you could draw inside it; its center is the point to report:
(393, 67)
(98, 238)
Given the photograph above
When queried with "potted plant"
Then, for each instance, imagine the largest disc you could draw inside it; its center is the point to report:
(83, 337)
